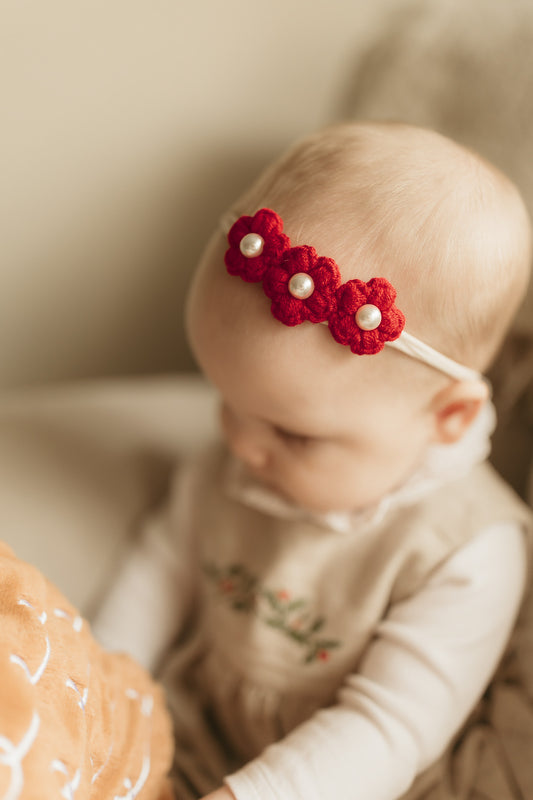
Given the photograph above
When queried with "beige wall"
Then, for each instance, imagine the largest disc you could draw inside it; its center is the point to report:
(126, 128)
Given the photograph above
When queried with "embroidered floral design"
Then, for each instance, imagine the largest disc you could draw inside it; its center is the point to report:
(269, 226)
(275, 608)
(325, 279)
(351, 296)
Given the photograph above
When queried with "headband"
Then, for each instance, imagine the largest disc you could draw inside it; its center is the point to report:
(305, 287)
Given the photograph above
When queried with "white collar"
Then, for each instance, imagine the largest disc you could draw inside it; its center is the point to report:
(442, 463)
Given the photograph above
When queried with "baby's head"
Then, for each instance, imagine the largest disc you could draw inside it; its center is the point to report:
(327, 428)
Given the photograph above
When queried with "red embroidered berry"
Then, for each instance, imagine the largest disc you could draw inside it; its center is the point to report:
(302, 286)
(365, 316)
(255, 243)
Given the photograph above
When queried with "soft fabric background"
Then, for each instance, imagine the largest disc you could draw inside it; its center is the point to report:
(128, 126)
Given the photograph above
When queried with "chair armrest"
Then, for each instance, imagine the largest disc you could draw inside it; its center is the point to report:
(80, 464)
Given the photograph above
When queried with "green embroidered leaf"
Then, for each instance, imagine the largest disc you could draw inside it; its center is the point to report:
(327, 644)
(271, 598)
(317, 625)
(274, 622)
(298, 636)
(295, 605)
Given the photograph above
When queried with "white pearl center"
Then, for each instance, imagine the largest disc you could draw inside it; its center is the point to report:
(251, 245)
(368, 317)
(301, 286)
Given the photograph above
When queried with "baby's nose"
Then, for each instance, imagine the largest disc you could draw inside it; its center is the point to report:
(249, 450)
(246, 439)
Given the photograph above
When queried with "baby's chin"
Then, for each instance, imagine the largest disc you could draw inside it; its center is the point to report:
(308, 501)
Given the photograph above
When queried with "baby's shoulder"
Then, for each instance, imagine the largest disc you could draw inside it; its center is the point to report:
(463, 507)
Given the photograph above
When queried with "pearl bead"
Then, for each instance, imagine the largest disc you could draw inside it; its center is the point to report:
(301, 286)
(368, 317)
(251, 245)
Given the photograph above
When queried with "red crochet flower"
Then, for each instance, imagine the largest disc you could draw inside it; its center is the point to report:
(351, 296)
(266, 224)
(302, 286)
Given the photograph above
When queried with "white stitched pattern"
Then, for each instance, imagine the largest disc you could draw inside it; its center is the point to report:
(82, 695)
(132, 793)
(15, 659)
(70, 787)
(146, 703)
(77, 621)
(13, 755)
(37, 675)
(98, 772)
(41, 617)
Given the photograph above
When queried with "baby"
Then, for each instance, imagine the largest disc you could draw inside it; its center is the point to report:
(327, 594)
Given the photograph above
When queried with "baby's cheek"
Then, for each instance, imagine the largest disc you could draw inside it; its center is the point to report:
(322, 490)
(351, 484)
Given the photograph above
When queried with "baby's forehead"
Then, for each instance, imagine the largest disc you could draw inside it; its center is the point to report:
(297, 377)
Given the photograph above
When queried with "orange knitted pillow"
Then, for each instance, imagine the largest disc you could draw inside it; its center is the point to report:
(74, 721)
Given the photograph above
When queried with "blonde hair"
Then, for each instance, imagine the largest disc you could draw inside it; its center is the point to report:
(445, 227)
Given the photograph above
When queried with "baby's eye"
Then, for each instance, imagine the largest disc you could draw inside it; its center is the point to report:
(292, 439)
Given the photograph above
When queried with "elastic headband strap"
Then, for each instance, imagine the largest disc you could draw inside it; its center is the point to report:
(411, 346)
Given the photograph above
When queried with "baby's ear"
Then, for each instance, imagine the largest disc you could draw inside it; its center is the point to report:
(455, 408)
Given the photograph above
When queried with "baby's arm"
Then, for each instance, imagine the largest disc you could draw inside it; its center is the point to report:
(428, 664)
(146, 605)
